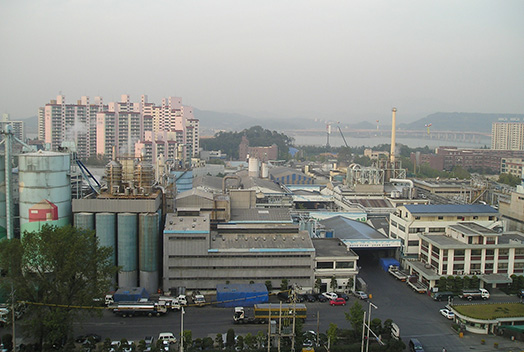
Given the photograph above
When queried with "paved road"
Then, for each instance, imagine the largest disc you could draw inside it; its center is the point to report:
(416, 314)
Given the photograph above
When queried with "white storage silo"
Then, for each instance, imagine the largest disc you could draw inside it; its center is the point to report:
(253, 167)
(45, 190)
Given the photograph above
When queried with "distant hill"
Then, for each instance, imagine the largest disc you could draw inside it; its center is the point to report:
(460, 121)
(213, 121)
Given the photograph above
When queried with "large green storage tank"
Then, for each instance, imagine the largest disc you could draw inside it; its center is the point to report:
(149, 248)
(127, 249)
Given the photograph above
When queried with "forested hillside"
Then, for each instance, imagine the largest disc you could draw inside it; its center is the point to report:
(228, 142)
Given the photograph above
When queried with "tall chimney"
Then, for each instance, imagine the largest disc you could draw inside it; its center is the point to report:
(392, 154)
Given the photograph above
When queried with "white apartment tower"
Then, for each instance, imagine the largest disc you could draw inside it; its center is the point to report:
(59, 122)
(139, 128)
(507, 135)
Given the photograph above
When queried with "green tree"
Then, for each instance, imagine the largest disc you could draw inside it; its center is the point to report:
(239, 343)
(284, 285)
(250, 341)
(475, 282)
(442, 284)
(188, 338)
(376, 326)
(332, 333)
(333, 283)
(219, 341)
(318, 285)
(261, 339)
(58, 268)
(207, 343)
(230, 338)
(509, 179)
(356, 318)
(269, 285)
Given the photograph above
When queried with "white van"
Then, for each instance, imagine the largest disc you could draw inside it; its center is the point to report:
(167, 336)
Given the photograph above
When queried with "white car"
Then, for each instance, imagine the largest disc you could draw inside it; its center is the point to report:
(361, 294)
(167, 336)
(447, 313)
(330, 295)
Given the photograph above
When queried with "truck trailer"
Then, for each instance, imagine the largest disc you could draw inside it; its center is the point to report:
(129, 309)
(261, 313)
(397, 273)
(470, 295)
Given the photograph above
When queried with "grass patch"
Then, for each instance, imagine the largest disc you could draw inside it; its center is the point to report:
(491, 310)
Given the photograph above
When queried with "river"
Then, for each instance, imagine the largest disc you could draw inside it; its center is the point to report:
(335, 140)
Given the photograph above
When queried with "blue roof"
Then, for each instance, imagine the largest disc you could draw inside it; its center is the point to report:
(451, 209)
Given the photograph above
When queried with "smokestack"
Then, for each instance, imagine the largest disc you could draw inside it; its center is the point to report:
(392, 154)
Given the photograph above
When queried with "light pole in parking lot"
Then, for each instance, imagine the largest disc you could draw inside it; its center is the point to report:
(182, 329)
(369, 322)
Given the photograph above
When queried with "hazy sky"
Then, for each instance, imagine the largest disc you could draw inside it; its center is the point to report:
(339, 60)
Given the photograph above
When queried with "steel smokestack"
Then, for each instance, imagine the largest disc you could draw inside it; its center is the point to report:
(392, 154)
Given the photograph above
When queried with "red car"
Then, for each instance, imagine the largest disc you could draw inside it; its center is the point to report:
(338, 302)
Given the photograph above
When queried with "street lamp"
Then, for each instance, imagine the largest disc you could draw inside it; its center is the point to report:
(369, 322)
(182, 330)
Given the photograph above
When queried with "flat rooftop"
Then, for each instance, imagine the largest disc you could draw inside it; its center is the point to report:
(331, 247)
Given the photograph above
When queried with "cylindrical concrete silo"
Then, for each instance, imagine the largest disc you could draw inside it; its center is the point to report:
(127, 249)
(45, 190)
(148, 235)
(265, 170)
(84, 221)
(3, 222)
(105, 227)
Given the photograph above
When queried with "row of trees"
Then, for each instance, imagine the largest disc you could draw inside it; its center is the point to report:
(456, 284)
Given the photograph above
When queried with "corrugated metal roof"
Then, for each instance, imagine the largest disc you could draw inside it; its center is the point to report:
(350, 229)
(450, 209)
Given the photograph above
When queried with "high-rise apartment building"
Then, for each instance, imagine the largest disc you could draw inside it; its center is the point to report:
(59, 122)
(140, 128)
(507, 135)
(17, 127)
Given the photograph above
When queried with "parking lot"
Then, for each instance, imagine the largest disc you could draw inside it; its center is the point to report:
(417, 315)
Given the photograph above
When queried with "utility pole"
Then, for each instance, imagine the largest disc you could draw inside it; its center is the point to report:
(182, 330)
(369, 322)
(363, 330)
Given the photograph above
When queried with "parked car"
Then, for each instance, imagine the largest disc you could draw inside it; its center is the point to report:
(301, 298)
(447, 313)
(283, 296)
(85, 338)
(521, 294)
(330, 295)
(360, 295)
(167, 336)
(415, 345)
(343, 295)
(311, 298)
(321, 298)
(148, 343)
(338, 302)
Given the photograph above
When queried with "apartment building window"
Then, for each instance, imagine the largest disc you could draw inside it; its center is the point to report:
(457, 268)
(441, 218)
(475, 267)
(393, 223)
(503, 253)
(345, 265)
(401, 228)
(324, 265)
(437, 229)
(459, 254)
(413, 243)
(490, 254)
(503, 265)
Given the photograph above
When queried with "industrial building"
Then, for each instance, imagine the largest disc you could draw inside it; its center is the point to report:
(255, 246)
(127, 216)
